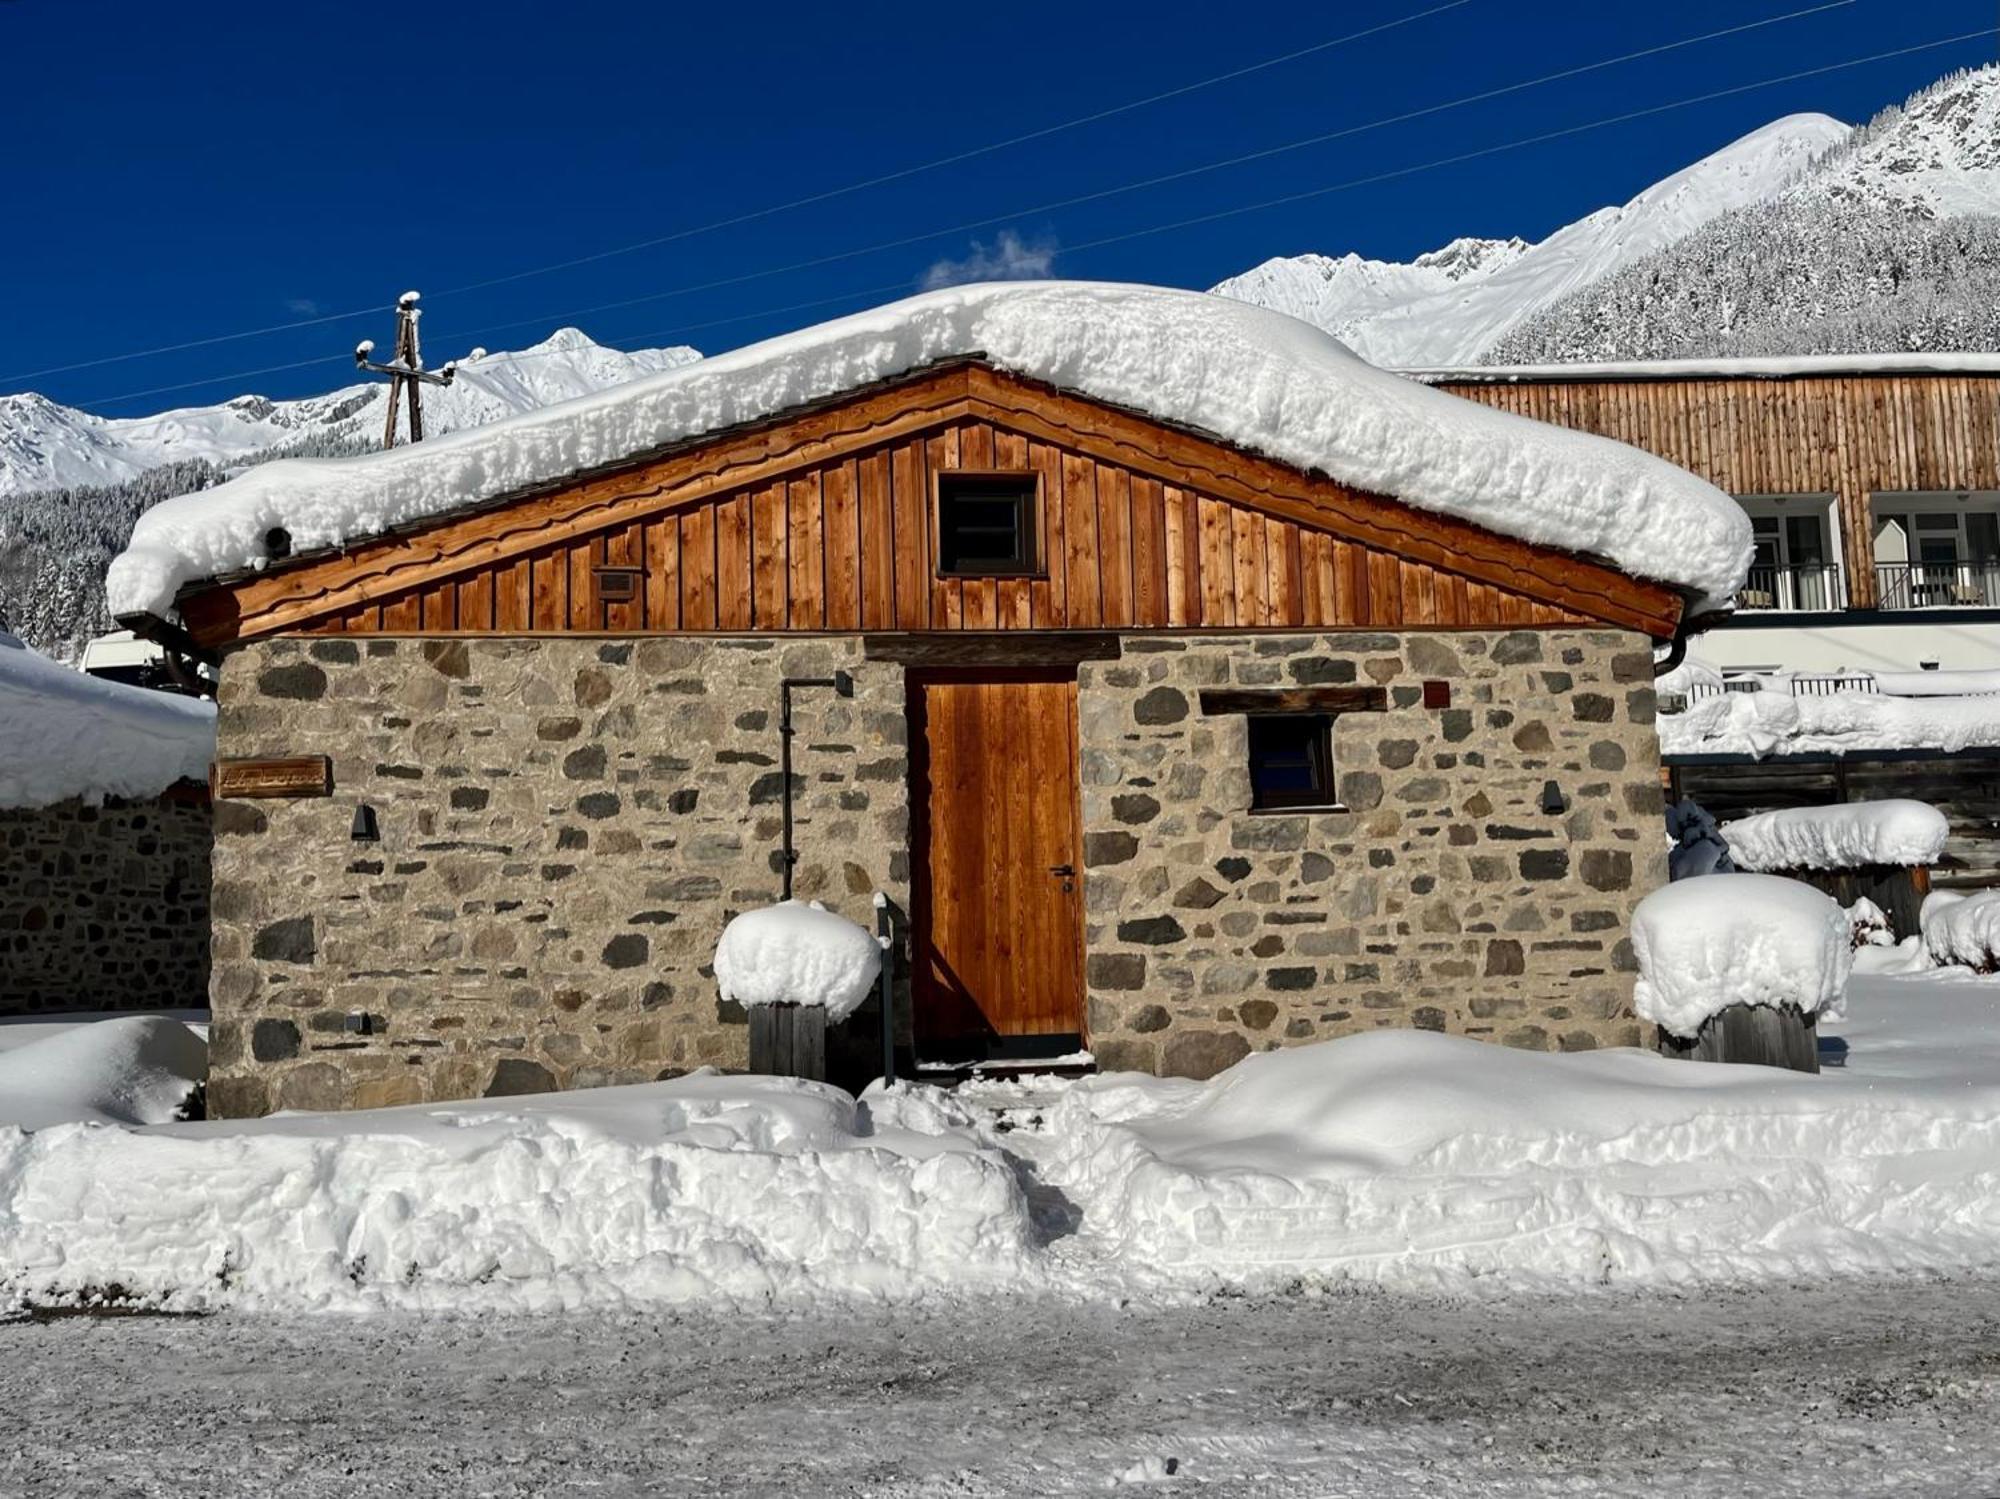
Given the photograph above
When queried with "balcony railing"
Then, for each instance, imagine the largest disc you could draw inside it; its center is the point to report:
(1816, 585)
(1938, 585)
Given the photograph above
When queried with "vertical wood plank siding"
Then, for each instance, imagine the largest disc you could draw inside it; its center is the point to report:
(1851, 436)
(850, 545)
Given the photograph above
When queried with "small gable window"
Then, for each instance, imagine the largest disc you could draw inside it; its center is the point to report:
(1291, 760)
(986, 524)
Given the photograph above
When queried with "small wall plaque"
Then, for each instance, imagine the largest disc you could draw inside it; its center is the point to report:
(298, 775)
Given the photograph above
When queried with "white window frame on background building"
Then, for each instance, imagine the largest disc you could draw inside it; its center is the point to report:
(1905, 525)
(1780, 580)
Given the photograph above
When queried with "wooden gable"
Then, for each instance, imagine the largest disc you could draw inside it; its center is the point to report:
(824, 520)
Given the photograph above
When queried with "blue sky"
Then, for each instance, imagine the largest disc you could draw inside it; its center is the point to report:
(182, 171)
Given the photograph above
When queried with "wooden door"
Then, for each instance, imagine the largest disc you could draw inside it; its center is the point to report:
(997, 889)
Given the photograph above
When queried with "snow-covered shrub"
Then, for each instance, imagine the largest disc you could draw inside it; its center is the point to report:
(1963, 929)
(797, 953)
(1868, 925)
(1738, 939)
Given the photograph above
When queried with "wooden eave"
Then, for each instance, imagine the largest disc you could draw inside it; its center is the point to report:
(301, 592)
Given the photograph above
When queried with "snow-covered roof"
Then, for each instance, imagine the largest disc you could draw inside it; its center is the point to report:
(1771, 368)
(63, 734)
(1264, 381)
(1761, 724)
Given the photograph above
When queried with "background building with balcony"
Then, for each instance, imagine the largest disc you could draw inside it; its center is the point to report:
(1872, 483)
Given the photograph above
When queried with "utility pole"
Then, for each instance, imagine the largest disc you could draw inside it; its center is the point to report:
(406, 369)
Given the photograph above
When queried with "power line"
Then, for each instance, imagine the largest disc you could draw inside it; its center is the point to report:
(1164, 228)
(776, 208)
(964, 156)
(1099, 195)
(1057, 205)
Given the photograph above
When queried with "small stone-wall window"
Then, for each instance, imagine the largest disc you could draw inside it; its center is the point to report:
(986, 524)
(1291, 760)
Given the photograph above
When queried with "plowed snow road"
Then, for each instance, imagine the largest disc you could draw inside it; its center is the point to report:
(1827, 1390)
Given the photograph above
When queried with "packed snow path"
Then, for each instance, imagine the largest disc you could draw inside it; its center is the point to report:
(1849, 1388)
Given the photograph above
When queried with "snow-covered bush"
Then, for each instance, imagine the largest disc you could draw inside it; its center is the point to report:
(1868, 926)
(797, 953)
(1738, 939)
(1963, 929)
(1898, 831)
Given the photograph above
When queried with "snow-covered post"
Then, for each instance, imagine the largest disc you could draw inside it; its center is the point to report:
(797, 968)
(1740, 968)
(1880, 852)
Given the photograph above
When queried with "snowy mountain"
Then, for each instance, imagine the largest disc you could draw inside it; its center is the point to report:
(44, 445)
(1411, 316)
(1343, 295)
(1935, 156)
(1891, 243)
(72, 484)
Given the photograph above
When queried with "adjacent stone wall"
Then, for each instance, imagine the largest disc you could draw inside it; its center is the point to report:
(566, 825)
(104, 908)
(1444, 897)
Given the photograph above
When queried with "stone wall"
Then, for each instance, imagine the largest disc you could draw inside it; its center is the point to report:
(1444, 897)
(104, 908)
(565, 826)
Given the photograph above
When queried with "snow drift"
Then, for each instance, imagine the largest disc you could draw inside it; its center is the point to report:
(702, 1189)
(1400, 1158)
(1897, 831)
(1257, 378)
(63, 734)
(1419, 1160)
(1737, 939)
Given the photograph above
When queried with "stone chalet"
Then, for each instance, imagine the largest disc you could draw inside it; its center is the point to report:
(1166, 749)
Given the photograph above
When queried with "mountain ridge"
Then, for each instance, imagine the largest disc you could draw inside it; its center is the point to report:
(1718, 259)
(45, 445)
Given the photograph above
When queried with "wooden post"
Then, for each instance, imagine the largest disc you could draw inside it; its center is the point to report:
(788, 1041)
(1762, 1035)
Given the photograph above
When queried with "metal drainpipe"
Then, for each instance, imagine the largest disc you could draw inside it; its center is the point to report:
(885, 933)
(843, 685)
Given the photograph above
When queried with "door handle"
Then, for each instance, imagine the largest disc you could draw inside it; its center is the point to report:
(1067, 871)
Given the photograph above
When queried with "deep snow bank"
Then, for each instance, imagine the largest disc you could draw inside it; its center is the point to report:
(1269, 382)
(1419, 1160)
(702, 1189)
(1400, 1158)
(63, 734)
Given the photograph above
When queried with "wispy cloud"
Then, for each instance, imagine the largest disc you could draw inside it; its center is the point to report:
(303, 306)
(1009, 258)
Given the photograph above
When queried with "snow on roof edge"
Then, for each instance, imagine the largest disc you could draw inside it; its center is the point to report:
(1775, 367)
(64, 734)
(1261, 380)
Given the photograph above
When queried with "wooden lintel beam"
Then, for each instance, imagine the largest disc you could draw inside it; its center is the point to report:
(960, 648)
(1295, 700)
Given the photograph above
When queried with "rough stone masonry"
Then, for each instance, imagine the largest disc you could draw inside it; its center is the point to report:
(105, 907)
(1444, 896)
(566, 825)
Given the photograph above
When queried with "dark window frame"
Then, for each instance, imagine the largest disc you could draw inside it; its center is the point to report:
(1322, 795)
(1024, 561)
